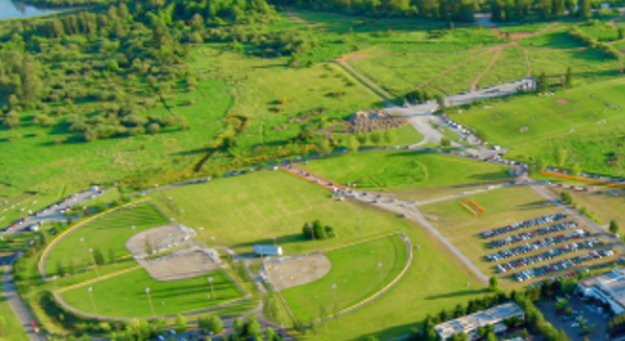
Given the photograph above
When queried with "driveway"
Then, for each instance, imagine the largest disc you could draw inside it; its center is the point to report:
(587, 312)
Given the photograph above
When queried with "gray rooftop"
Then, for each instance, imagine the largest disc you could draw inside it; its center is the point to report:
(480, 319)
(611, 284)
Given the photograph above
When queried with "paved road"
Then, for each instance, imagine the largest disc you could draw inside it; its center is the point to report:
(53, 212)
(22, 313)
(580, 217)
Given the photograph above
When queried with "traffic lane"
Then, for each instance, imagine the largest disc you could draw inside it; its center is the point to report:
(561, 322)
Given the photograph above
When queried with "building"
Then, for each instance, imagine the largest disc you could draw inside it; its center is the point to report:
(470, 323)
(268, 250)
(608, 288)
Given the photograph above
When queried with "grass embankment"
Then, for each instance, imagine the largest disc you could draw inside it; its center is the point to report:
(11, 328)
(356, 274)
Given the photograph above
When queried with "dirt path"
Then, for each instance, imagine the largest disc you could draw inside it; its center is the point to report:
(528, 61)
(452, 68)
(490, 65)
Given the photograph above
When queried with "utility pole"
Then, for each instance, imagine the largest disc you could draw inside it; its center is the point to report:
(147, 292)
(89, 290)
(210, 280)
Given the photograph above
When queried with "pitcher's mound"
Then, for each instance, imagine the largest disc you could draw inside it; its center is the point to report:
(300, 271)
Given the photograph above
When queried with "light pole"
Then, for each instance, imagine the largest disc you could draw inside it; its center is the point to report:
(94, 263)
(213, 239)
(359, 224)
(333, 287)
(82, 240)
(210, 280)
(275, 243)
(147, 292)
(89, 290)
(379, 265)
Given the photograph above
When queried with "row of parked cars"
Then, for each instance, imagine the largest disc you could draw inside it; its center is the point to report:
(549, 254)
(567, 225)
(561, 265)
(539, 244)
(522, 225)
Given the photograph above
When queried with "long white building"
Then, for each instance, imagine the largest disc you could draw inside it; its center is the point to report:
(470, 323)
(608, 288)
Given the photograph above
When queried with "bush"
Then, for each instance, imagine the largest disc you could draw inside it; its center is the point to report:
(154, 128)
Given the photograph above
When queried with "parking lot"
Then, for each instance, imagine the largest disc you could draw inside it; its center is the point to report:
(517, 238)
(537, 245)
(561, 265)
(588, 313)
(522, 225)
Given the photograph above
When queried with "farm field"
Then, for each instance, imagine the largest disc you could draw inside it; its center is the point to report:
(124, 296)
(405, 170)
(503, 207)
(251, 208)
(356, 275)
(110, 232)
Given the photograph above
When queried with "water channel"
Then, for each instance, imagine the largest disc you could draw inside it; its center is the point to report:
(15, 9)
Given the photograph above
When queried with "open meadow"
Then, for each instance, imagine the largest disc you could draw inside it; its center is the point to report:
(405, 170)
(358, 271)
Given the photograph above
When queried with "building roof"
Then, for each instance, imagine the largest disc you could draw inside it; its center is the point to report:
(268, 249)
(610, 284)
(480, 319)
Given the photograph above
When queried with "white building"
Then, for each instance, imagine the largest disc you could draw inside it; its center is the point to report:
(268, 250)
(608, 288)
(470, 323)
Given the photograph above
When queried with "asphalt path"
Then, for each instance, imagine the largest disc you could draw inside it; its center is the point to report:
(20, 309)
(53, 212)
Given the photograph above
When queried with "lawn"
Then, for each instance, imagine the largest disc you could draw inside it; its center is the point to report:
(10, 327)
(124, 295)
(602, 202)
(510, 65)
(252, 208)
(108, 233)
(434, 281)
(403, 170)
(355, 273)
(547, 116)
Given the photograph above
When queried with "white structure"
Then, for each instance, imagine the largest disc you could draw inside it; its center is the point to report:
(268, 250)
(470, 323)
(608, 288)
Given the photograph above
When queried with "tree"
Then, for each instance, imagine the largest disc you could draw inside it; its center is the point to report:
(576, 169)
(12, 119)
(181, 323)
(238, 325)
(491, 337)
(98, 256)
(154, 128)
(361, 137)
(561, 157)
(211, 323)
(352, 144)
(390, 136)
(566, 198)
(253, 329)
(319, 230)
(584, 10)
(543, 82)
(493, 284)
(371, 338)
(614, 228)
(445, 142)
(324, 147)
(568, 78)
(60, 269)
(375, 138)
(440, 101)
(271, 335)
(111, 255)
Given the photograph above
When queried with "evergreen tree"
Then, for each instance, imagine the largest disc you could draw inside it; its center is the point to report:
(568, 79)
(584, 10)
(614, 228)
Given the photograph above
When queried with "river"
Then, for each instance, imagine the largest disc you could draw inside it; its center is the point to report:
(15, 9)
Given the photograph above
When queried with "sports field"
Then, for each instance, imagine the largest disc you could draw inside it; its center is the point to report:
(356, 274)
(124, 295)
(106, 234)
(404, 170)
(251, 209)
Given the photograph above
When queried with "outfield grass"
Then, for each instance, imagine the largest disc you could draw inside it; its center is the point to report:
(124, 295)
(355, 273)
(110, 232)
(400, 170)
(10, 327)
(250, 209)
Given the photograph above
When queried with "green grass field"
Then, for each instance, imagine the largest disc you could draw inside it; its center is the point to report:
(403, 170)
(124, 295)
(252, 208)
(10, 327)
(355, 274)
(110, 232)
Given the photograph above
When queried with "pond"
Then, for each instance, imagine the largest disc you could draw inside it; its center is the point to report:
(15, 9)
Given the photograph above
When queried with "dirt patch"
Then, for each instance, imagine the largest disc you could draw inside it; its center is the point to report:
(180, 266)
(562, 101)
(300, 271)
(159, 238)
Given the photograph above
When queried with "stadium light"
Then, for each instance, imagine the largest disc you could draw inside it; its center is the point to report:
(210, 280)
(94, 263)
(89, 290)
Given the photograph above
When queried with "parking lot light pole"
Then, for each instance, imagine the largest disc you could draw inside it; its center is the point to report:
(147, 292)
(89, 290)
(379, 265)
(210, 280)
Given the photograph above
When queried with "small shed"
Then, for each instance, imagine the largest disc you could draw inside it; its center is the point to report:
(268, 250)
